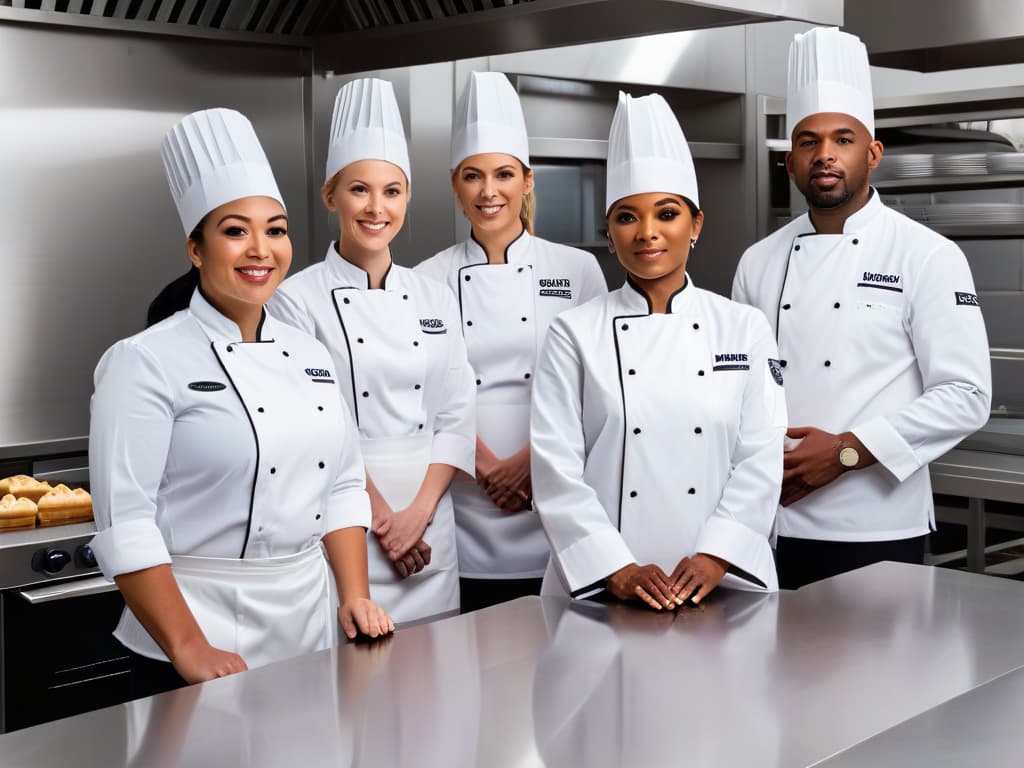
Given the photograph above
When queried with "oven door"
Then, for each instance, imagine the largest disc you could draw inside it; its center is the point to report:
(57, 654)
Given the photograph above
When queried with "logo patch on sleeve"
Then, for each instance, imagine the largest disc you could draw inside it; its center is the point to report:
(775, 366)
(967, 299)
(207, 386)
(319, 375)
(432, 325)
(731, 362)
(559, 287)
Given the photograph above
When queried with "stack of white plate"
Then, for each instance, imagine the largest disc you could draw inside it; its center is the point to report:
(909, 166)
(958, 215)
(1006, 162)
(967, 164)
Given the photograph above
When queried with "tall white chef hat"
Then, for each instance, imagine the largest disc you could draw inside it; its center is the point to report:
(489, 118)
(647, 151)
(366, 125)
(213, 157)
(829, 72)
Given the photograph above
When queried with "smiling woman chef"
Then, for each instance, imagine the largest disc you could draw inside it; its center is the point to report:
(393, 335)
(510, 286)
(220, 453)
(658, 411)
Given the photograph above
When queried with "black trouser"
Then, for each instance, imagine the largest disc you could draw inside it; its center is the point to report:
(475, 594)
(803, 561)
(150, 677)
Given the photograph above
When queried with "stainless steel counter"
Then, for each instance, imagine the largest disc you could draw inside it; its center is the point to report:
(783, 680)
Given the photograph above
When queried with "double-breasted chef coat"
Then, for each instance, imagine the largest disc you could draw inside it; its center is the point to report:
(506, 310)
(406, 380)
(656, 436)
(229, 460)
(880, 333)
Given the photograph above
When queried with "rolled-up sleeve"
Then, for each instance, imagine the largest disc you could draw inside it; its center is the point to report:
(129, 434)
(349, 504)
(454, 440)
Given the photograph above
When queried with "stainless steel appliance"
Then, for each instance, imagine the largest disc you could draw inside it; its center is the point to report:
(57, 655)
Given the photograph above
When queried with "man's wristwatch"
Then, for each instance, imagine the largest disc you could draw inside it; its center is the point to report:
(849, 457)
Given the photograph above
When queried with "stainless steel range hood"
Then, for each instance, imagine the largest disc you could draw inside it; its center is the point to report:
(365, 34)
(936, 35)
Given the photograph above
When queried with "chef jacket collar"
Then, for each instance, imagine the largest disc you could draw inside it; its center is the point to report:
(349, 275)
(217, 326)
(858, 221)
(515, 252)
(637, 301)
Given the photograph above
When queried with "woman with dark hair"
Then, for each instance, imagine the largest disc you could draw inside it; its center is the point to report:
(658, 410)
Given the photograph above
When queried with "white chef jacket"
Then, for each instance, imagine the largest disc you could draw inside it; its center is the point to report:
(506, 310)
(880, 334)
(656, 436)
(402, 367)
(200, 444)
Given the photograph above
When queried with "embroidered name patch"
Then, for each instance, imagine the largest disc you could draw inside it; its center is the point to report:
(320, 375)
(775, 366)
(432, 325)
(558, 287)
(881, 280)
(967, 299)
(731, 362)
(207, 386)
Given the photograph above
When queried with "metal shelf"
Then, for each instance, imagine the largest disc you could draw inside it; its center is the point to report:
(950, 183)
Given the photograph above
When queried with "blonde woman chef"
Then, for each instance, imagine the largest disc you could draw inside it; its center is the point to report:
(396, 347)
(658, 411)
(220, 455)
(510, 285)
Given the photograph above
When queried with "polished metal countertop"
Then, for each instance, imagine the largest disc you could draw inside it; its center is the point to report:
(781, 680)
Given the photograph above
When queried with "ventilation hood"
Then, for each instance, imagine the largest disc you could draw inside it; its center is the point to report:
(367, 34)
(937, 35)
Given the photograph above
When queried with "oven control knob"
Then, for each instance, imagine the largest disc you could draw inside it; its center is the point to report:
(85, 557)
(50, 560)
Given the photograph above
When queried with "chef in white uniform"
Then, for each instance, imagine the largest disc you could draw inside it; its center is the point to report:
(879, 328)
(220, 453)
(510, 286)
(658, 411)
(394, 338)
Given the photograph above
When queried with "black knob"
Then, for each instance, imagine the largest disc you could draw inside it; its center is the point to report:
(85, 557)
(50, 560)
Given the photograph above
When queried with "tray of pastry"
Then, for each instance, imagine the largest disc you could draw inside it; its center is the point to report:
(26, 502)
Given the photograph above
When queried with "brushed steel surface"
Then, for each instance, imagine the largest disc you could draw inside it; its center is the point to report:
(783, 680)
(979, 474)
(96, 585)
(981, 727)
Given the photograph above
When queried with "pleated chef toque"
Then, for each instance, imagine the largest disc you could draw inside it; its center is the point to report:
(829, 72)
(213, 157)
(489, 118)
(366, 126)
(647, 151)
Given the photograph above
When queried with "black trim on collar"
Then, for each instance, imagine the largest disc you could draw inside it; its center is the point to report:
(511, 243)
(259, 326)
(255, 437)
(650, 308)
(383, 280)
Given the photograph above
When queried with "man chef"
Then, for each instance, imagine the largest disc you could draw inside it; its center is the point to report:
(881, 337)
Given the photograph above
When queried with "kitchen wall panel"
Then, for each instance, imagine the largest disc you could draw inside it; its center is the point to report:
(90, 231)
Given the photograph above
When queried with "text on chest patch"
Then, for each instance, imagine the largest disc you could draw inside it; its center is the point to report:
(732, 361)
(882, 280)
(967, 299)
(557, 287)
(432, 325)
(319, 375)
(206, 386)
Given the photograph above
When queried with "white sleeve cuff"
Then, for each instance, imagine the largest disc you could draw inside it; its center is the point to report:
(133, 545)
(348, 509)
(888, 447)
(593, 559)
(740, 546)
(454, 450)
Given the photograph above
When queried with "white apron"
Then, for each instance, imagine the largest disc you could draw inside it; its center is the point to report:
(263, 609)
(397, 466)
